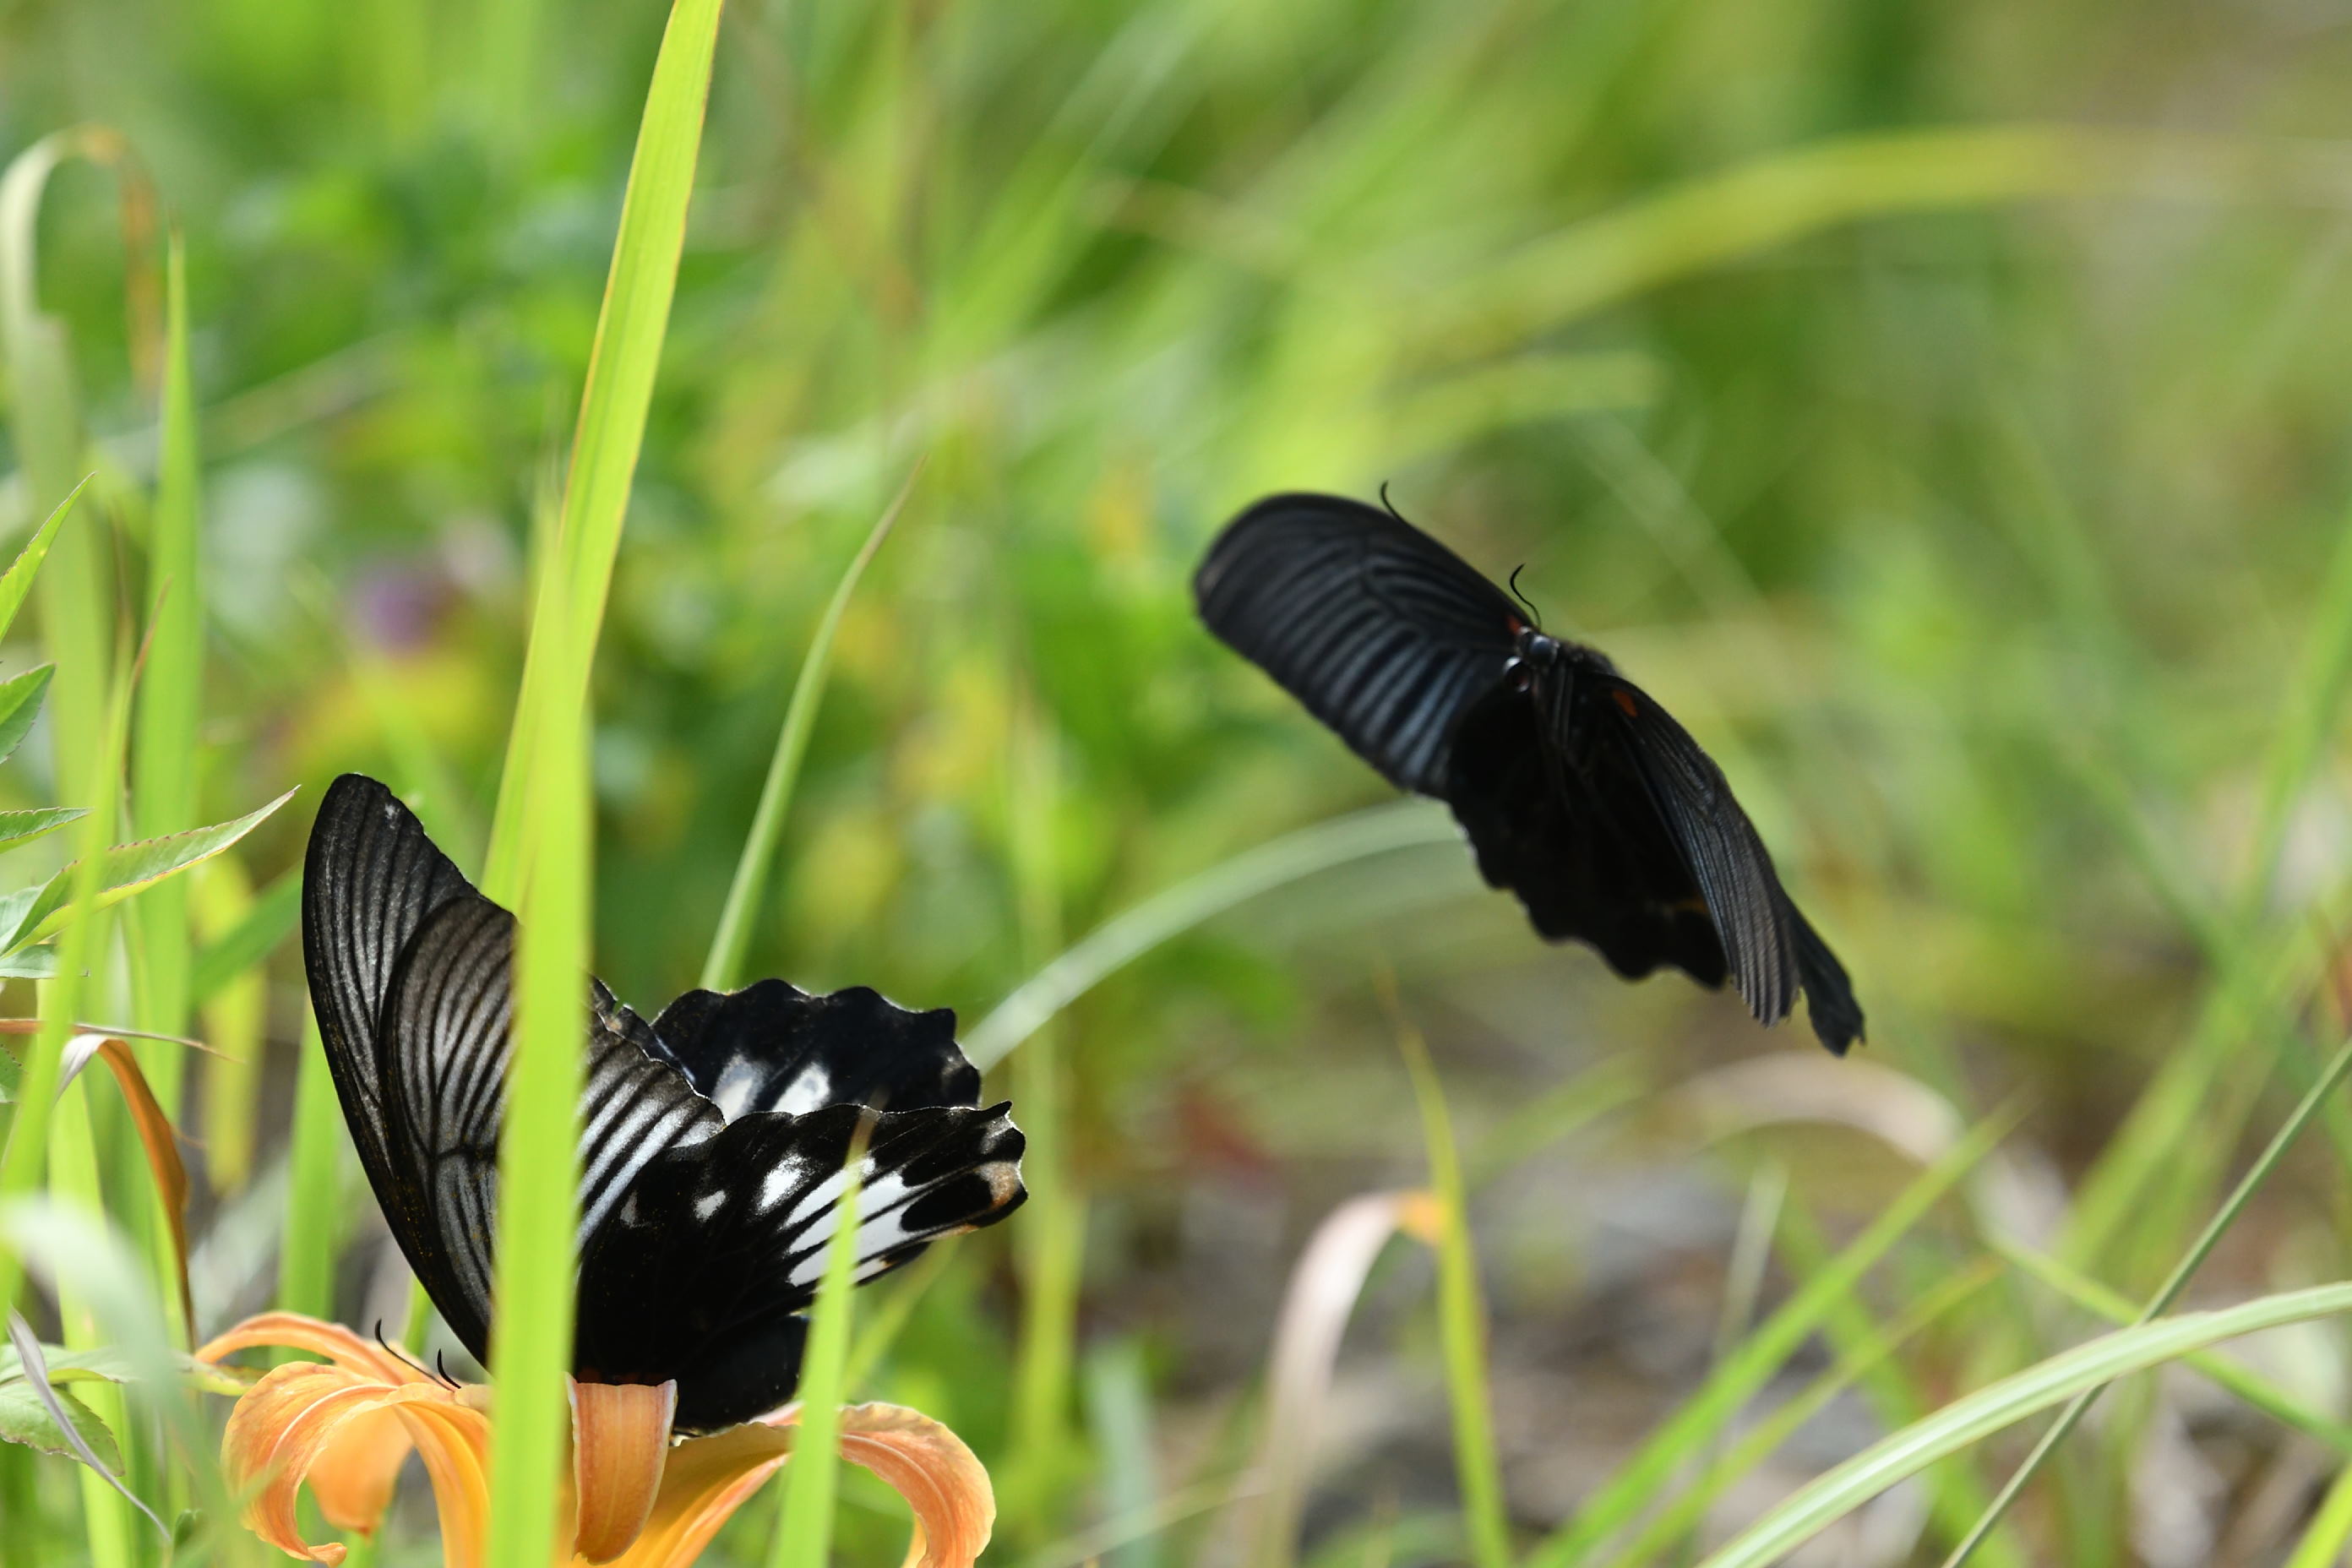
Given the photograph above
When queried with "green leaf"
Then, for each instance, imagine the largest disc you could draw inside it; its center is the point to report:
(20, 704)
(127, 869)
(18, 581)
(30, 963)
(23, 826)
(23, 1419)
(268, 921)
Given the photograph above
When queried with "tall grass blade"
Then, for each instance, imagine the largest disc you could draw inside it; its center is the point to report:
(314, 1206)
(25, 1160)
(1461, 1319)
(1737, 1378)
(1823, 1500)
(804, 1537)
(171, 692)
(741, 913)
(1127, 937)
(2167, 1293)
(539, 1158)
(613, 406)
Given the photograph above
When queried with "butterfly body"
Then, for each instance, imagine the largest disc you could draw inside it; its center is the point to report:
(714, 1141)
(1577, 791)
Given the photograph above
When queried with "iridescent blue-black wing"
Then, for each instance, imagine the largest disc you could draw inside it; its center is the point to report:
(1383, 632)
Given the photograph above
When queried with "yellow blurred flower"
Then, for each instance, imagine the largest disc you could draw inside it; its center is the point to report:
(639, 1498)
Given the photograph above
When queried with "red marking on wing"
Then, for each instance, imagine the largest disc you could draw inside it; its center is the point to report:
(1626, 703)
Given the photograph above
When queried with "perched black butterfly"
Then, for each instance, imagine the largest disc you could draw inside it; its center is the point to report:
(712, 1142)
(1577, 792)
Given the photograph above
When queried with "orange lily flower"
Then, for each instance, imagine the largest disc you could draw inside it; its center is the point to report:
(638, 1499)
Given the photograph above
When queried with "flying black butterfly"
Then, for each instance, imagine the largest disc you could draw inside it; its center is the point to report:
(1578, 793)
(712, 1142)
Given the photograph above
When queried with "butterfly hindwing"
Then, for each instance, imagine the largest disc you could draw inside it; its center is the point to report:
(773, 1047)
(720, 1245)
(1381, 632)
(1582, 846)
(1769, 950)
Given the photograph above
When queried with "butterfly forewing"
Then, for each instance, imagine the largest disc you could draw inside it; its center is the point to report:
(445, 1027)
(1381, 632)
(369, 880)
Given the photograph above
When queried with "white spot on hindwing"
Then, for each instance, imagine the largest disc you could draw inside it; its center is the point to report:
(810, 1089)
(710, 1204)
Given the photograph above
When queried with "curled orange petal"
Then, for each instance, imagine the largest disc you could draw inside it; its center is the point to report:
(353, 1475)
(942, 1481)
(292, 1331)
(620, 1438)
(344, 1434)
(278, 1432)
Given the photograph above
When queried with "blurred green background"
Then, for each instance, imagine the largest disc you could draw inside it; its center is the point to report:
(1939, 405)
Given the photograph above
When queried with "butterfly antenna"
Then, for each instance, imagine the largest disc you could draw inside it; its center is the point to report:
(1522, 598)
(1389, 504)
(443, 1369)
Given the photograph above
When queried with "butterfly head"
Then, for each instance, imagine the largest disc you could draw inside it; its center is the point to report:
(1533, 655)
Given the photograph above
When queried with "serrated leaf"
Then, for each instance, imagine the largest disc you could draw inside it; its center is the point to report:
(28, 963)
(23, 826)
(18, 581)
(20, 704)
(64, 1415)
(128, 867)
(25, 1419)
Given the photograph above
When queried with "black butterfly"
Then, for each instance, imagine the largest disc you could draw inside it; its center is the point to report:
(1577, 792)
(712, 1140)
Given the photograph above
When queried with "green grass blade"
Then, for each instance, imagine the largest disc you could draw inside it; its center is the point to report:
(2167, 1293)
(538, 1153)
(722, 970)
(1737, 1379)
(314, 1205)
(804, 1538)
(2322, 1542)
(1462, 1323)
(1965, 1421)
(2234, 1375)
(613, 406)
(24, 1161)
(171, 692)
(1164, 916)
(267, 920)
(1856, 1360)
